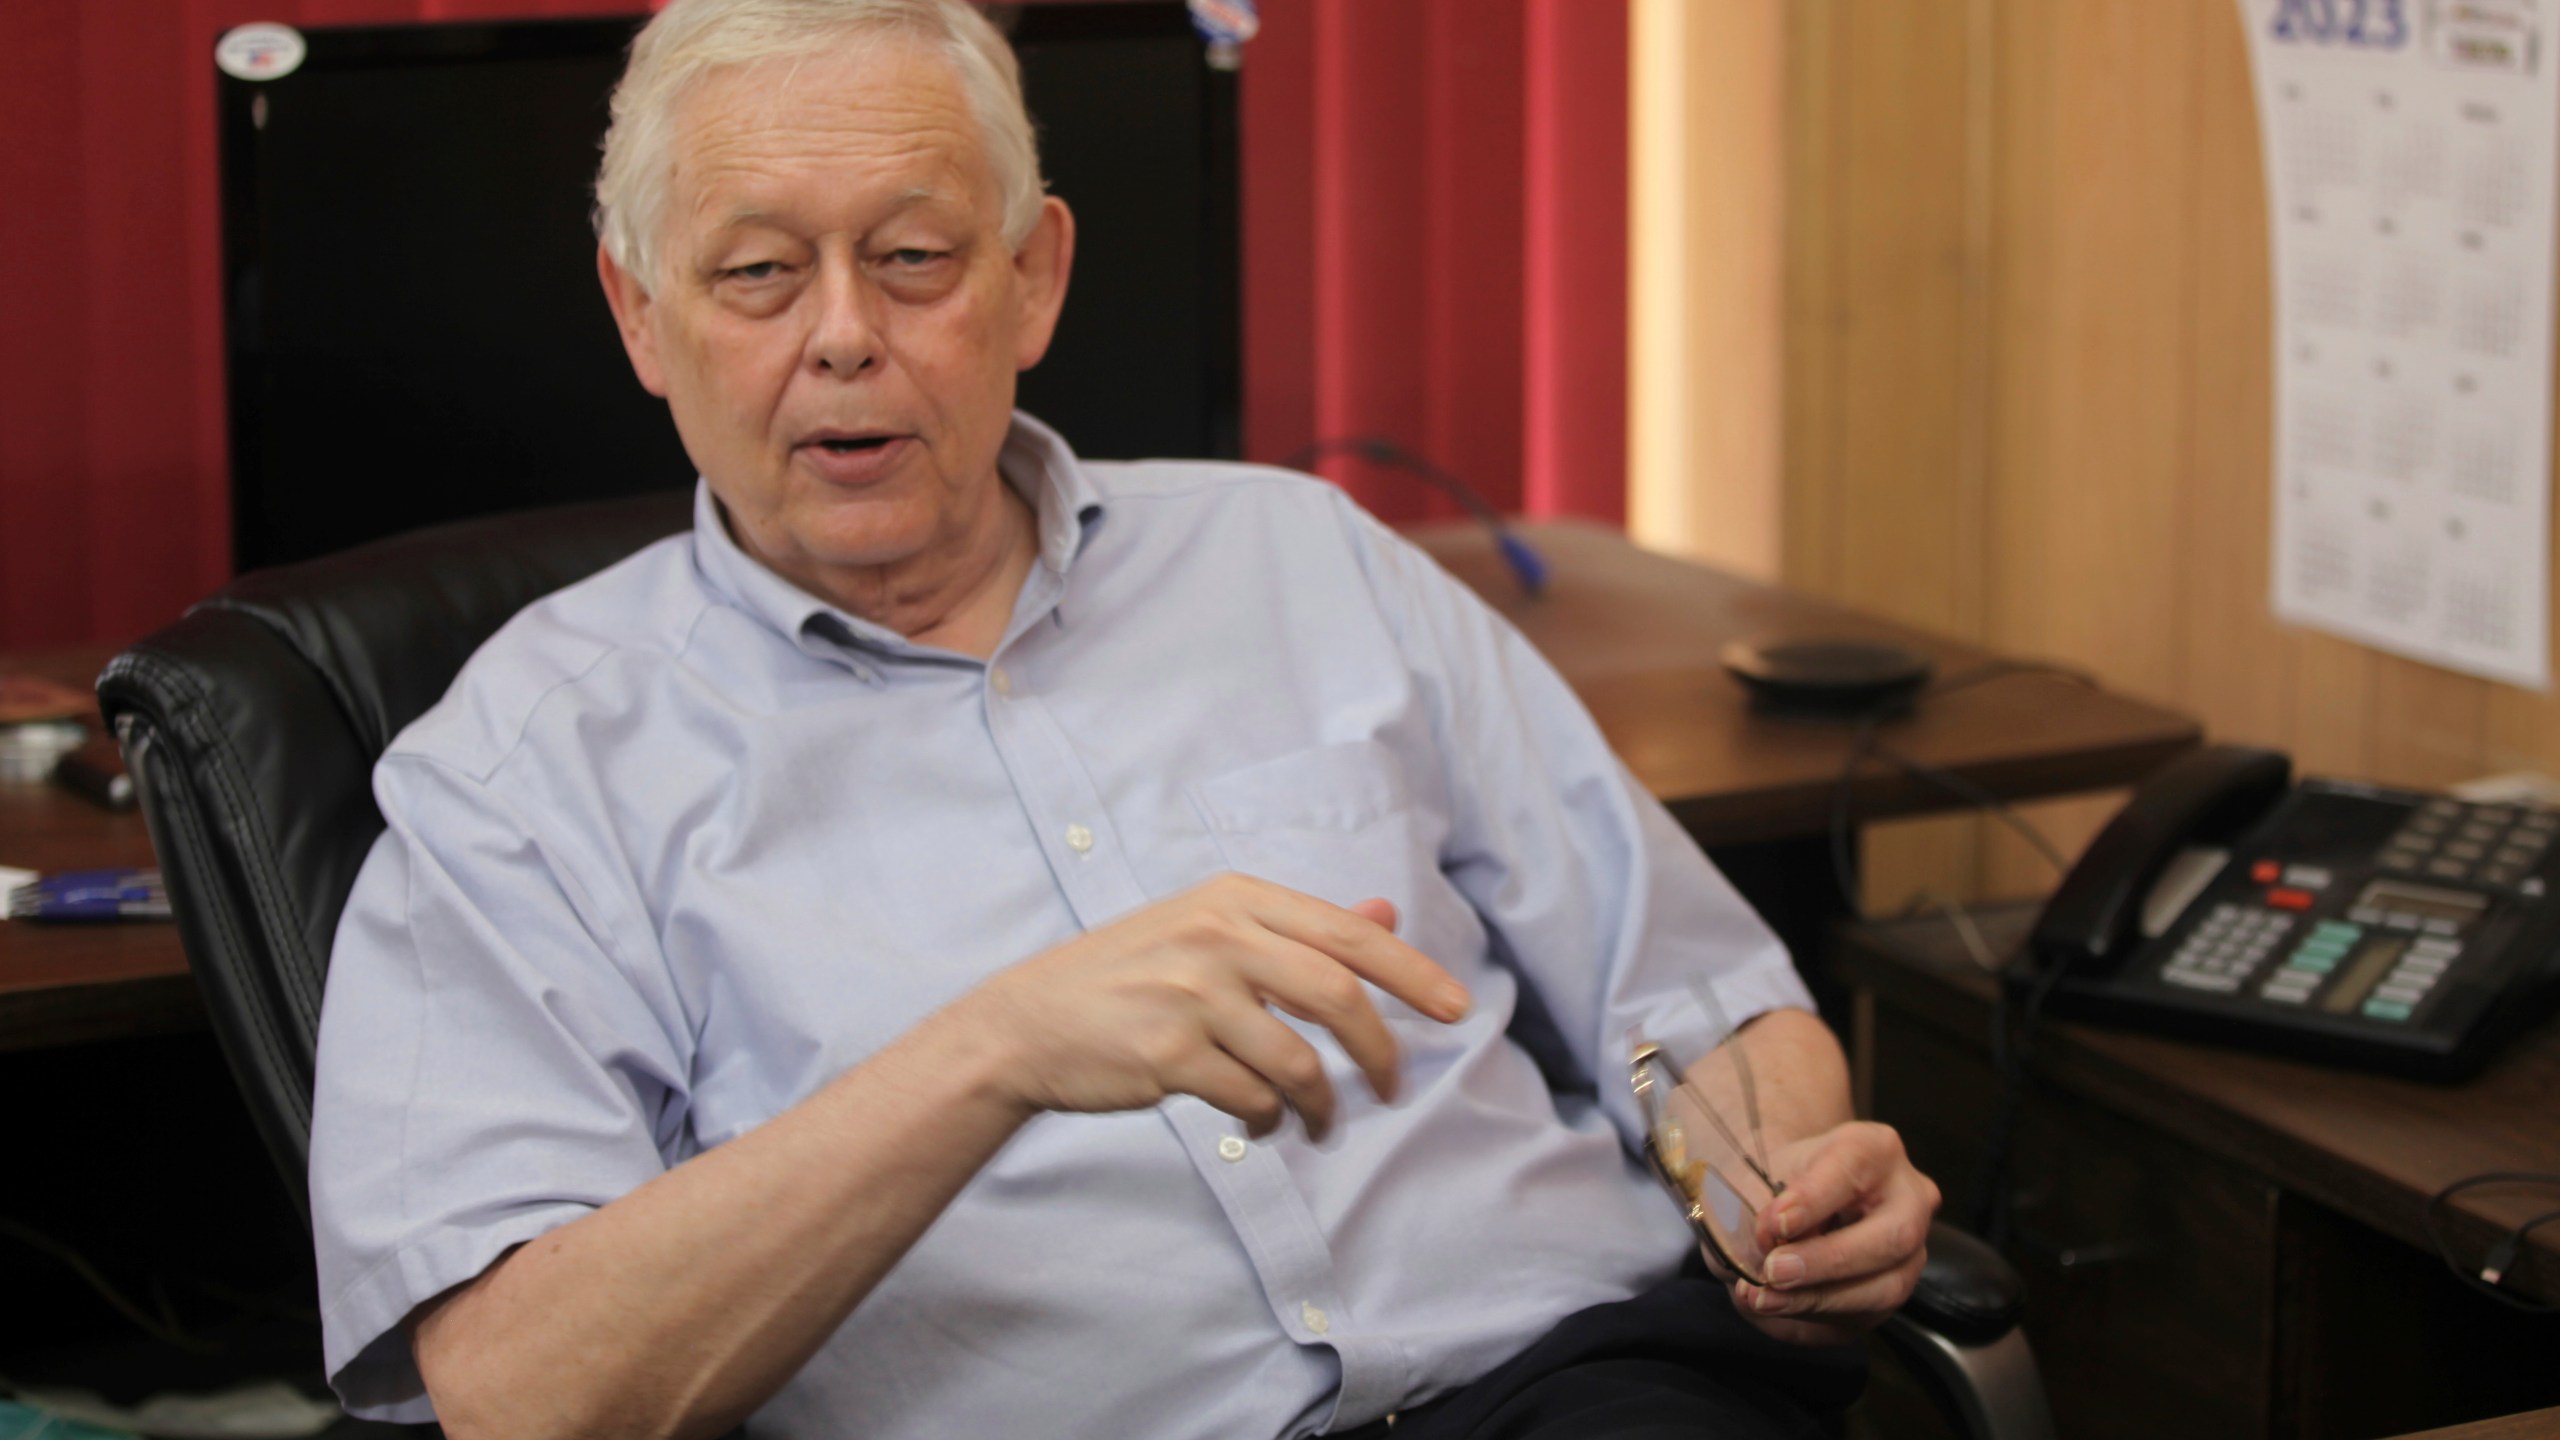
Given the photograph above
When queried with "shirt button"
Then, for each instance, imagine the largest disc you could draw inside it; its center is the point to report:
(1231, 1149)
(1317, 1321)
(1000, 680)
(1079, 839)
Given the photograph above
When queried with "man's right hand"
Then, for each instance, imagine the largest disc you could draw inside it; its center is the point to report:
(1176, 999)
(685, 1304)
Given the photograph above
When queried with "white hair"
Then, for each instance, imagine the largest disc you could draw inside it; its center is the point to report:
(691, 39)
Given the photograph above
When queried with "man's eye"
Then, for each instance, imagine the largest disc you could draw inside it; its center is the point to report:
(761, 270)
(912, 258)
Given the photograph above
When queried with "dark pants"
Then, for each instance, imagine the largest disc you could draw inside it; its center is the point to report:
(1675, 1361)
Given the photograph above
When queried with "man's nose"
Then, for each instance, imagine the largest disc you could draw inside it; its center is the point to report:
(844, 338)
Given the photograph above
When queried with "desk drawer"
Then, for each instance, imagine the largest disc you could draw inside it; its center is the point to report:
(2150, 1268)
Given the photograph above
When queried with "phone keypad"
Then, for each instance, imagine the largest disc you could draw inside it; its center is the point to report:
(2229, 953)
(2500, 845)
(2421, 966)
(2233, 943)
(2311, 962)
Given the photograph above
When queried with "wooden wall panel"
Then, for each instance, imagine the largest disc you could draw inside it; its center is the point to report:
(2330, 713)
(2085, 483)
(1812, 427)
(1883, 482)
(2430, 726)
(2092, 283)
(2106, 203)
(2237, 666)
(1909, 543)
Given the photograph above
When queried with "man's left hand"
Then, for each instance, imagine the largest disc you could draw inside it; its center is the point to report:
(1845, 1242)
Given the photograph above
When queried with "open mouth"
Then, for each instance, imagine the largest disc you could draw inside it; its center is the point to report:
(855, 457)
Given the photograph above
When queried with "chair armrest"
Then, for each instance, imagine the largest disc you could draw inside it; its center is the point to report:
(1967, 1292)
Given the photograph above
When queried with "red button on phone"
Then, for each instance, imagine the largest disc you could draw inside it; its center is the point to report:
(2289, 899)
(2265, 872)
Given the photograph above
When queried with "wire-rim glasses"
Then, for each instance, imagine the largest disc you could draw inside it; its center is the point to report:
(1713, 1174)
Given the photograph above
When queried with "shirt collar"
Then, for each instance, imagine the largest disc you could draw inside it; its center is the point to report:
(1035, 461)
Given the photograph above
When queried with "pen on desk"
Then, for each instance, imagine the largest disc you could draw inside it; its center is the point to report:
(122, 884)
(92, 895)
(37, 908)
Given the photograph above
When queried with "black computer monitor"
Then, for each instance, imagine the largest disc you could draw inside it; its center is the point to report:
(414, 329)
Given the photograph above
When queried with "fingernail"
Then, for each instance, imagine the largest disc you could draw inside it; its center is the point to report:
(1787, 1217)
(1453, 1002)
(1786, 1268)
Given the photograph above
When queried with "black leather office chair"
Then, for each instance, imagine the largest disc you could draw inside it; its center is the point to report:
(252, 726)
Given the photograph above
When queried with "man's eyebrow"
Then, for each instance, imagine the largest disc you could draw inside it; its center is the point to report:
(915, 195)
(745, 215)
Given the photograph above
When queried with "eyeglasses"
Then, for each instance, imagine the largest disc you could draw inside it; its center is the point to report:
(1721, 1181)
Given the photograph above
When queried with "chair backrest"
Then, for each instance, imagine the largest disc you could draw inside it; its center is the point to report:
(251, 727)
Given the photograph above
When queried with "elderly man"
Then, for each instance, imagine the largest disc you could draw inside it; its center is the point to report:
(971, 942)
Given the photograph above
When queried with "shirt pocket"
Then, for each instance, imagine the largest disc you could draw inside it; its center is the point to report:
(1335, 822)
(1340, 822)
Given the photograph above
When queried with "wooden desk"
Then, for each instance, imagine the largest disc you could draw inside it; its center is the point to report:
(61, 984)
(1636, 634)
(2540, 1425)
(2218, 1242)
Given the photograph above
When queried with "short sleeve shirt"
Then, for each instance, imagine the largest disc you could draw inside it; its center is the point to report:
(683, 843)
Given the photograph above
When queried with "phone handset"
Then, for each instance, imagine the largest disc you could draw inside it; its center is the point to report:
(2197, 800)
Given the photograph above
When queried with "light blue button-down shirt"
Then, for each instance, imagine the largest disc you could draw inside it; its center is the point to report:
(684, 842)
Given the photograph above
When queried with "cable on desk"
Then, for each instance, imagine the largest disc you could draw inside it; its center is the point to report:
(2489, 1278)
(1844, 866)
(2012, 1033)
(1992, 805)
(2012, 1042)
(1933, 902)
(2002, 669)
(1864, 742)
(1526, 564)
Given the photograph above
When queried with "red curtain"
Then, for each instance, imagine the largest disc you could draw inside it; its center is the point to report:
(1435, 244)
(1435, 240)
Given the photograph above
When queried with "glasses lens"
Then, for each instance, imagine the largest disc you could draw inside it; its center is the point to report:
(1729, 1225)
(1719, 1182)
(1698, 1159)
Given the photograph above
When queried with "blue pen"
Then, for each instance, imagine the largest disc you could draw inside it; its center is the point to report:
(92, 895)
(125, 884)
(42, 909)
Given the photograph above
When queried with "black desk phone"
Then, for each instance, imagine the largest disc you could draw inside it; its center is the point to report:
(2376, 928)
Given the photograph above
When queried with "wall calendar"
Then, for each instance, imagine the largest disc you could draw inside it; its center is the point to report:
(2410, 149)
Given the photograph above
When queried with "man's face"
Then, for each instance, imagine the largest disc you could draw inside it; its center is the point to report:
(837, 321)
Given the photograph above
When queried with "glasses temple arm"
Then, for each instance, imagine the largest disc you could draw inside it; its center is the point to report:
(1708, 1109)
(1751, 1154)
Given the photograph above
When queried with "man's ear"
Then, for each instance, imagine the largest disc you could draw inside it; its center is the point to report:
(1040, 280)
(635, 314)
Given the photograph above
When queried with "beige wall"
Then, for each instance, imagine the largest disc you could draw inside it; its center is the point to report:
(2024, 348)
